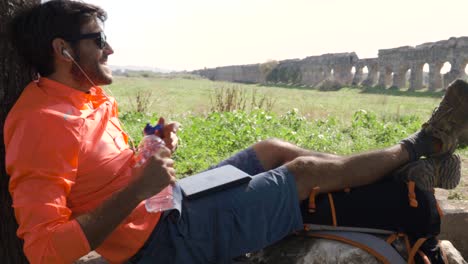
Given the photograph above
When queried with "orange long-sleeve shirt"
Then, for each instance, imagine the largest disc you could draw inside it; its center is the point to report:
(65, 154)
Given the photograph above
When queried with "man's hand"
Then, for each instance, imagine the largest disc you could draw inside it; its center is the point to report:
(156, 174)
(169, 134)
(151, 178)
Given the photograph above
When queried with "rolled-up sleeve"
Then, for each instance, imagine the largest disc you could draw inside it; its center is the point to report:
(42, 160)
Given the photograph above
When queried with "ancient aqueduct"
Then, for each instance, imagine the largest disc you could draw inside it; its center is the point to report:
(399, 67)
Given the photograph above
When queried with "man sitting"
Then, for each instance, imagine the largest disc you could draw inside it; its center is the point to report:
(74, 188)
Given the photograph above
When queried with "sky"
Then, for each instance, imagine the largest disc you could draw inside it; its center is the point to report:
(193, 34)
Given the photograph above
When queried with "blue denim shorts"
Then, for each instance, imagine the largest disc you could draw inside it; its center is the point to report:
(221, 226)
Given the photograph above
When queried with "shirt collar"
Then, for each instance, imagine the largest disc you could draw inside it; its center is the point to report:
(78, 98)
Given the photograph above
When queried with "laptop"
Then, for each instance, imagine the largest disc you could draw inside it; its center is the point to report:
(211, 181)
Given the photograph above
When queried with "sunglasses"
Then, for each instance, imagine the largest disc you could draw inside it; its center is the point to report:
(99, 38)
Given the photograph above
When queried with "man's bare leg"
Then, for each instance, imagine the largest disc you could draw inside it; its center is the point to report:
(350, 171)
(327, 171)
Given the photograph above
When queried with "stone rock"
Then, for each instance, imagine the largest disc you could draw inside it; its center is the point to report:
(307, 250)
(455, 224)
(453, 255)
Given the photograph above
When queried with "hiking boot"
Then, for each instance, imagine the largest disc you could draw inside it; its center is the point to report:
(450, 118)
(435, 172)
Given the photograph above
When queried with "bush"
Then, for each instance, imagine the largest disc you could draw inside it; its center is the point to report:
(236, 98)
(142, 100)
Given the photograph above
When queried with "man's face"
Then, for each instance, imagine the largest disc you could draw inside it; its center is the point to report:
(91, 58)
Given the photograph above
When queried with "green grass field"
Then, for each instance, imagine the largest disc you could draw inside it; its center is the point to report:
(173, 97)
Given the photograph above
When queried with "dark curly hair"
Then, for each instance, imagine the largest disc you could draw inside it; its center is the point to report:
(34, 29)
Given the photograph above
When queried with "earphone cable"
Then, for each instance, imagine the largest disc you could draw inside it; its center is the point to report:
(132, 143)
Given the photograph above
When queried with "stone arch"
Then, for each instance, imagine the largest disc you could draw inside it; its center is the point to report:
(416, 79)
(399, 73)
(408, 74)
(425, 77)
(464, 65)
(389, 83)
(385, 76)
(326, 72)
(446, 67)
(365, 69)
(372, 76)
(446, 72)
(426, 67)
(458, 64)
(435, 77)
(358, 76)
(377, 75)
(322, 74)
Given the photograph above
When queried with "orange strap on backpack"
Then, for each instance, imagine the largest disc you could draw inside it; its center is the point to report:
(314, 193)
(415, 249)
(412, 195)
(332, 208)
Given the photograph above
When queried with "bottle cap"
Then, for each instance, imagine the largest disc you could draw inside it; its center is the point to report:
(151, 130)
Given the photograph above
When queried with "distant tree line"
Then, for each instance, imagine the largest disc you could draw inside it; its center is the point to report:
(152, 74)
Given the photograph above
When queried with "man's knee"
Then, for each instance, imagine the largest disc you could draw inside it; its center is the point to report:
(303, 169)
(272, 143)
(274, 152)
(311, 172)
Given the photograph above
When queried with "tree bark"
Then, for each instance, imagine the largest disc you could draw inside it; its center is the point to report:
(14, 75)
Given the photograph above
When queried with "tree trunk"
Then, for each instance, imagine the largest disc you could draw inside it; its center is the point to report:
(14, 75)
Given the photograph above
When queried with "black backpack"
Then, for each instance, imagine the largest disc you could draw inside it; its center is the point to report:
(387, 211)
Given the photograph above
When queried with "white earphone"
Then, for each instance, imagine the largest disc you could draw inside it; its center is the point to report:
(66, 53)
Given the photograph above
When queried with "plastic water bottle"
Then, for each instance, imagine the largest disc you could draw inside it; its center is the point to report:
(148, 146)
